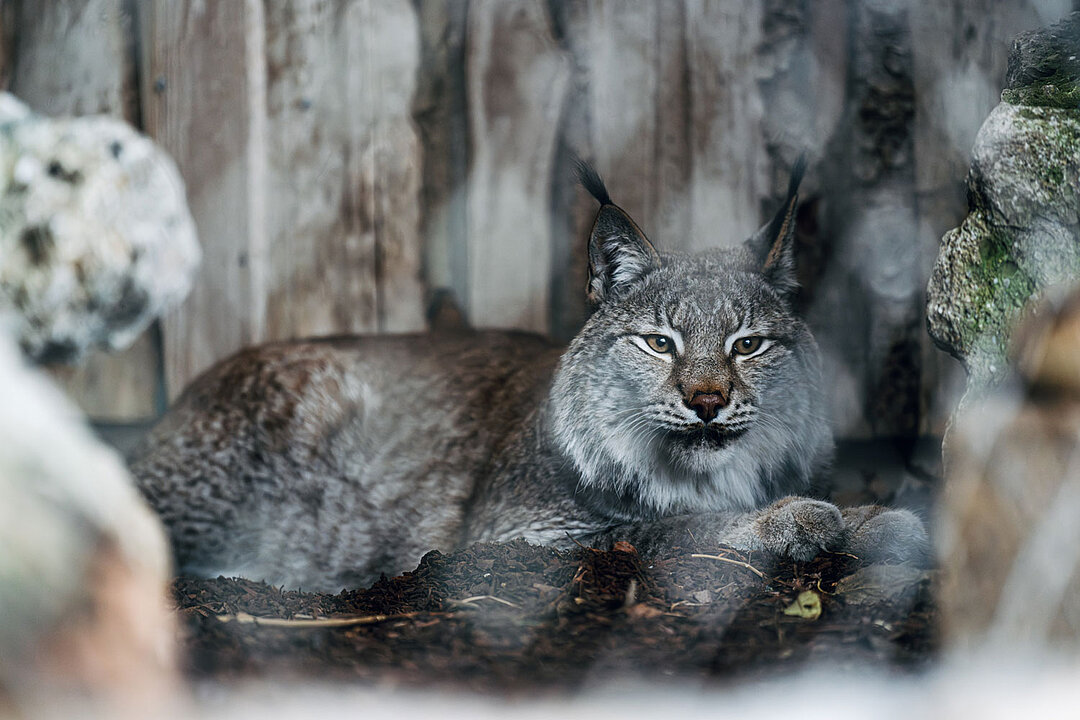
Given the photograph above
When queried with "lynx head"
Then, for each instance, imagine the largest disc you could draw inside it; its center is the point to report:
(693, 386)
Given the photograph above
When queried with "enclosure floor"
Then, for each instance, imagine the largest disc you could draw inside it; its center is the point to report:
(518, 618)
(512, 617)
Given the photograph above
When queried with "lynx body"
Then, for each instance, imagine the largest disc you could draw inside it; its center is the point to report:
(690, 397)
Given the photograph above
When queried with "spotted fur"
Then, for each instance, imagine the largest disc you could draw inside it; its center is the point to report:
(324, 463)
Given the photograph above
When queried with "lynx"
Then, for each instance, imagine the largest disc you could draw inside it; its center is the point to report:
(689, 401)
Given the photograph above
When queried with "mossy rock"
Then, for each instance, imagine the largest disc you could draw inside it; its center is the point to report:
(1021, 236)
(1044, 67)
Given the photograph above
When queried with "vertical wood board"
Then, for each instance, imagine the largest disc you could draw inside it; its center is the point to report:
(344, 168)
(729, 164)
(517, 78)
(388, 55)
(203, 98)
(439, 109)
(71, 57)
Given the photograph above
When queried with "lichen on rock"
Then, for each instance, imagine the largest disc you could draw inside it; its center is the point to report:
(1044, 67)
(95, 235)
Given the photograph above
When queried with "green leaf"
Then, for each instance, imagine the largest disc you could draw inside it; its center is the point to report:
(807, 605)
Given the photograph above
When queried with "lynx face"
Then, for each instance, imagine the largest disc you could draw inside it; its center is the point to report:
(693, 386)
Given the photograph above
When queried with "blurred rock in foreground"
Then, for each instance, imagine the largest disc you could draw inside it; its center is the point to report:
(83, 560)
(95, 236)
(1022, 234)
(1010, 536)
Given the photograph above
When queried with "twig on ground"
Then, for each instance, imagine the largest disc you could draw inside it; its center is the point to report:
(575, 541)
(474, 598)
(244, 618)
(740, 563)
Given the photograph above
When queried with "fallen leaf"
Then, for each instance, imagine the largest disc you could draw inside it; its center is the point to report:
(623, 546)
(807, 605)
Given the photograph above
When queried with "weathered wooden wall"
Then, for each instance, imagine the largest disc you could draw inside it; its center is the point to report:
(345, 158)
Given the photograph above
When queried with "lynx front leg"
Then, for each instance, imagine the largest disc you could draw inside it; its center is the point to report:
(878, 534)
(793, 527)
(801, 528)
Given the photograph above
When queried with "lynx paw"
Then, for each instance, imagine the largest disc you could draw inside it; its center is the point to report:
(799, 528)
(877, 534)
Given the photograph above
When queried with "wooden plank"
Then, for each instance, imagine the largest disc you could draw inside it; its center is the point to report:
(621, 59)
(615, 117)
(73, 58)
(204, 77)
(7, 37)
(344, 168)
(385, 43)
(291, 123)
(116, 387)
(517, 77)
(439, 110)
(322, 248)
(671, 219)
(729, 172)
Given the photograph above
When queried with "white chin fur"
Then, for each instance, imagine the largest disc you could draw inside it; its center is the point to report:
(695, 480)
(690, 479)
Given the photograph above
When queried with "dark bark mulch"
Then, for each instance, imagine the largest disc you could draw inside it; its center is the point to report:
(515, 617)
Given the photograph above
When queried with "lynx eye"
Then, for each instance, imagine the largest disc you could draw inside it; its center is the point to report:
(747, 345)
(659, 343)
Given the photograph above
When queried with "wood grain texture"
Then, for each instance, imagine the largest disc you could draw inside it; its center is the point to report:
(729, 171)
(344, 168)
(516, 76)
(74, 58)
(388, 59)
(439, 110)
(203, 97)
(291, 121)
(115, 387)
(663, 104)
(619, 53)
(71, 57)
(7, 36)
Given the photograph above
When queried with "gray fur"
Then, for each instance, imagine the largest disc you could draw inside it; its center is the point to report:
(324, 463)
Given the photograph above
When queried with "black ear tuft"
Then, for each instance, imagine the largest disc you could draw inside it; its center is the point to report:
(797, 172)
(773, 246)
(591, 181)
(619, 252)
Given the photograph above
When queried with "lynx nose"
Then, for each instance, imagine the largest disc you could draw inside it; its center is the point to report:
(707, 404)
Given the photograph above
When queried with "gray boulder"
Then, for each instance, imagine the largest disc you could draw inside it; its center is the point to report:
(1022, 233)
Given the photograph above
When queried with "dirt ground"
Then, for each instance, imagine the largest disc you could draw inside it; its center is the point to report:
(522, 619)
(518, 618)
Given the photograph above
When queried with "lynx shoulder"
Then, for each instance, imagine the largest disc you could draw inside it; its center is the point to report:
(693, 390)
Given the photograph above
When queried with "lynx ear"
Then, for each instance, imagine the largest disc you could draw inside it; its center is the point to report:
(619, 252)
(773, 246)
